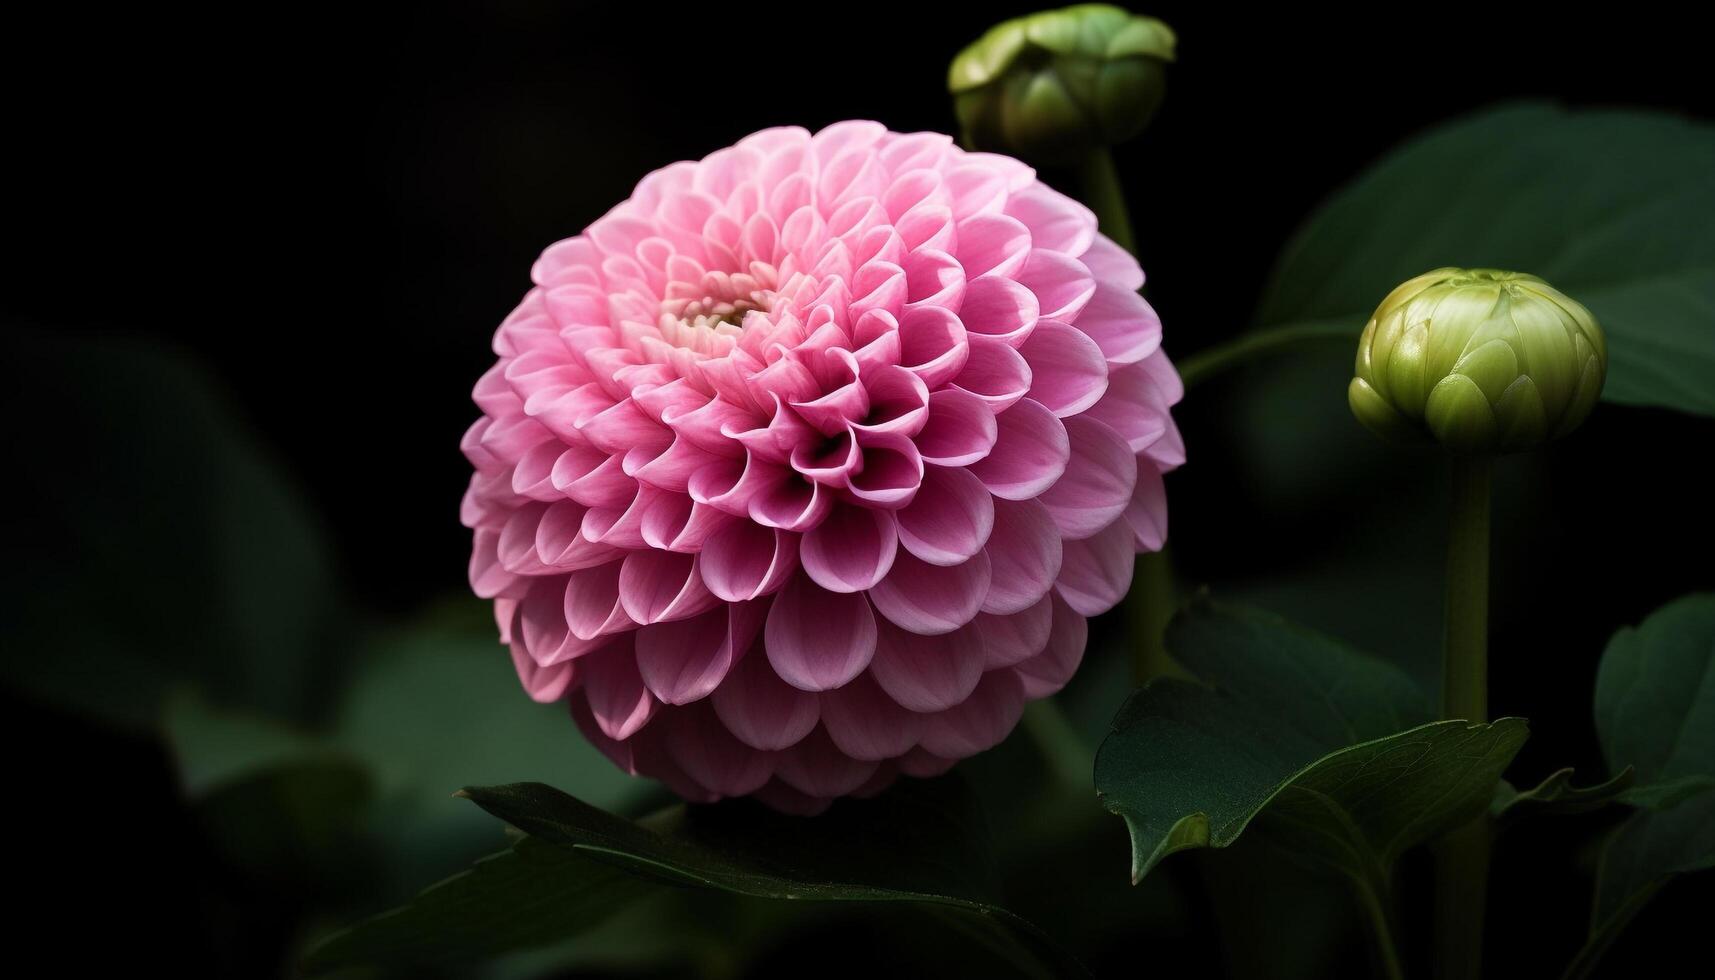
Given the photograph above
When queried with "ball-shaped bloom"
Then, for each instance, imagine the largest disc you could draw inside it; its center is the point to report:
(1480, 360)
(1054, 85)
(803, 467)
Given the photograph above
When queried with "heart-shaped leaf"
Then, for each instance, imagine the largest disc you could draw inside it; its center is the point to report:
(1611, 207)
(1655, 709)
(1655, 701)
(1301, 729)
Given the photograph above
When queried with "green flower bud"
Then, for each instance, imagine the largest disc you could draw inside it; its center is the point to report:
(1480, 360)
(1050, 87)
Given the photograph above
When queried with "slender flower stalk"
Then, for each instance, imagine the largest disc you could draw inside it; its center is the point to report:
(1150, 605)
(1462, 858)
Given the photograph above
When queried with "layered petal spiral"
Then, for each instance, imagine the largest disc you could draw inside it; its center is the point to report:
(802, 468)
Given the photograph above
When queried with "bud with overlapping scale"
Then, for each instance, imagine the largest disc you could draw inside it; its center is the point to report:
(1480, 360)
(1055, 85)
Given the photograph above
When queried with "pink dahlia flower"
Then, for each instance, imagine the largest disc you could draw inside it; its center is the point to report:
(803, 467)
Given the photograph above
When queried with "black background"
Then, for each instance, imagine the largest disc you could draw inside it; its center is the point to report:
(332, 208)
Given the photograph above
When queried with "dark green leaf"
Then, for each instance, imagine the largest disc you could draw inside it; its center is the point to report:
(1655, 700)
(1611, 207)
(1644, 853)
(1297, 727)
(1655, 710)
(438, 706)
(1557, 795)
(168, 548)
(918, 842)
(534, 894)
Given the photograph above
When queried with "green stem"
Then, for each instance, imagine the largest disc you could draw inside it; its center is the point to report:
(1149, 608)
(1059, 744)
(1153, 594)
(1465, 681)
(1103, 195)
(1258, 344)
(1381, 929)
(1462, 857)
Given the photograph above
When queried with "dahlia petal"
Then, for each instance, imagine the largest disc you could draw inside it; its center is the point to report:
(1000, 308)
(928, 226)
(878, 287)
(933, 278)
(898, 402)
(592, 478)
(890, 472)
(706, 750)
(975, 189)
(667, 469)
(517, 546)
(1055, 221)
(792, 504)
(832, 412)
(488, 578)
(1047, 672)
(508, 439)
(950, 518)
(661, 586)
(1132, 407)
(1098, 482)
(1121, 323)
(1111, 264)
(994, 372)
(622, 427)
(619, 702)
(830, 460)
(1012, 639)
(761, 710)
(885, 775)
(960, 429)
(592, 604)
(923, 764)
(915, 190)
(816, 767)
(621, 754)
(1097, 570)
(932, 599)
(730, 485)
(674, 522)
(543, 684)
(992, 244)
(909, 151)
(1146, 515)
(685, 660)
(791, 802)
(851, 550)
(865, 722)
(1061, 283)
(744, 560)
(819, 640)
(532, 476)
(1167, 452)
(932, 344)
(924, 673)
(1067, 371)
(981, 721)
(1030, 452)
(1025, 554)
(559, 543)
(620, 527)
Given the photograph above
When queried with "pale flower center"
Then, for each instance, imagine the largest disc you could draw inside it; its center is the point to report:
(708, 316)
